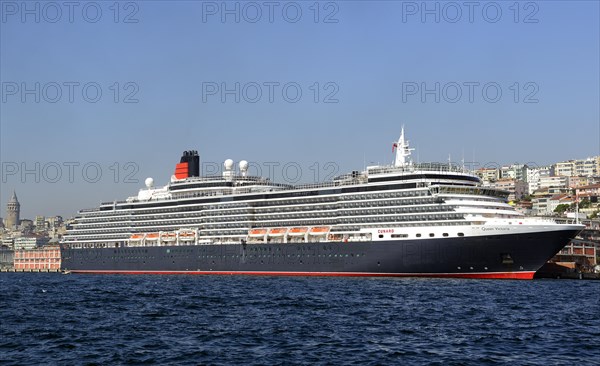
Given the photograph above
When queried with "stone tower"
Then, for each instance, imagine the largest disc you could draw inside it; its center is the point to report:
(13, 211)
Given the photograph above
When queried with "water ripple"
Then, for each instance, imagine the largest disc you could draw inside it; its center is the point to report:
(191, 320)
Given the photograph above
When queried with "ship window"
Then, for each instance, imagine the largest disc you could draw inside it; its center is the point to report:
(418, 235)
(431, 235)
(445, 234)
(461, 234)
(380, 236)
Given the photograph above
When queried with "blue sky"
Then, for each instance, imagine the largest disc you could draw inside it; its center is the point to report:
(367, 56)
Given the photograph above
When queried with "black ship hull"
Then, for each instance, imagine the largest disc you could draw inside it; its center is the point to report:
(514, 256)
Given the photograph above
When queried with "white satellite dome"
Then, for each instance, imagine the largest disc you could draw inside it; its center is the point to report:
(228, 164)
(243, 165)
(149, 182)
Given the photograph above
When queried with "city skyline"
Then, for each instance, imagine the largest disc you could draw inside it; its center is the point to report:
(214, 81)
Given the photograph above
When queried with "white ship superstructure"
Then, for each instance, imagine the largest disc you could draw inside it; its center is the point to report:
(425, 199)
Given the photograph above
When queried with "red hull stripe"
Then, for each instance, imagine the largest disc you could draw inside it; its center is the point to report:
(482, 275)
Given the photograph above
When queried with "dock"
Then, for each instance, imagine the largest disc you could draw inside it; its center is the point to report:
(30, 270)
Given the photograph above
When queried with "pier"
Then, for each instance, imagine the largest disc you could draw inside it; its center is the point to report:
(29, 270)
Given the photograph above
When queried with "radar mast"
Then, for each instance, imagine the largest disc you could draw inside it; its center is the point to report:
(401, 147)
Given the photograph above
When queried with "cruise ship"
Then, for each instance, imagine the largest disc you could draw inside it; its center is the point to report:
(404, 219)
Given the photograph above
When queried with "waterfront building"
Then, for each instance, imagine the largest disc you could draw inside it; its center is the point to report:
(588, 167)
(54, 222)
(519, 172)
(506, 172)
(514, 171)
(7, 258)
(26, 226)
(592, 190)
(545, 206)
(488, 174)
(559, 199)
(524, 207)
(8, 242)
(532, 187)
(13, 212)
(577, 181)
(580, 252)
(517, 189)
(533, 176)
(44, 258)
(584, 167)
(30, 242)
(539, 206)
(554, 184)
(40, 224)
(593, 180)
(565, 168)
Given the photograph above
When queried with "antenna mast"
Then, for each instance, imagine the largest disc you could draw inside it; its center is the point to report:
(401, 147)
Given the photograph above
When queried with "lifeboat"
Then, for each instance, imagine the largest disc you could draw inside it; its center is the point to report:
(152, 236)
(278, 231)
(169, 236)
(257, 233)
(137, 237)
(298, 231)
(187, 235)
(319, 230)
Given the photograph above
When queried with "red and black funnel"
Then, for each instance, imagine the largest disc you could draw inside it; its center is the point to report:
(189, 165)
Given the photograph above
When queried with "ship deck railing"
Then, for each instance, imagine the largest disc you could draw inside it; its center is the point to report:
(89, 210)
(260, 181)
(112, 203)
(476, 191)
(420, 167)
(263, 185)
